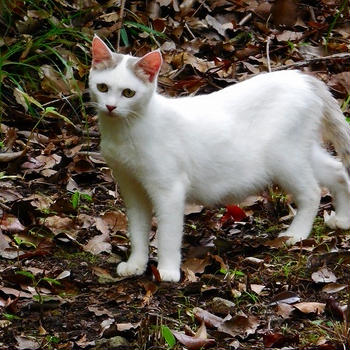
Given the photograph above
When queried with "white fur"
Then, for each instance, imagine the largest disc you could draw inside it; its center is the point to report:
(214, 149)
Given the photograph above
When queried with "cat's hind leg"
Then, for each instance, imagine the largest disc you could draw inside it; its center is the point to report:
(331, 173)
(303, 186)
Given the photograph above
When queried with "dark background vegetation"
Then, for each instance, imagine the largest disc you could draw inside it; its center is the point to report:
(63, 227)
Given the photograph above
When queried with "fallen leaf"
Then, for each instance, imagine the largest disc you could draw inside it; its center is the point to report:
(99, 310)
(284, 12)
(278, 242)
(27, 343)
(111, 221)
(10, 223)
(284, 310)
(196, 265)
(278, 340)
(233, 212)
(6, 251)
(193, 209)
(323, 275)
(334, 310)
(150, 289)
(121, 327)
(63, 275)
(333, 287)
(105, 324)
(257, 288)
(208, 318)
(98, 244)
(15, 292)
(240, 325)
(286, 297)
(308, 307)
(199, 341)
(104, 276)
(58, 224)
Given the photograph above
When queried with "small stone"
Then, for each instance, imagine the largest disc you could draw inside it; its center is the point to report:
(221, 306)
(110, 343)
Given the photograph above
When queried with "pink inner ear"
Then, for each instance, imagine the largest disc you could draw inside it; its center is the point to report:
(151, 64)
(100, 51)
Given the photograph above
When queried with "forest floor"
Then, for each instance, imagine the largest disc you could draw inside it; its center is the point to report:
(63, 225)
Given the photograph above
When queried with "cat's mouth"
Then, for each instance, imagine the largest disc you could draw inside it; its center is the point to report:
(111, 114)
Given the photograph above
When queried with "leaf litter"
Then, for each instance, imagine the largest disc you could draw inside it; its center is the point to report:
(241, 286)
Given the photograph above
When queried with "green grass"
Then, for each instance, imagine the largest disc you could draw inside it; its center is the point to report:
(24, 52)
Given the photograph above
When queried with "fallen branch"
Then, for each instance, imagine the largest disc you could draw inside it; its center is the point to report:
(337, 56)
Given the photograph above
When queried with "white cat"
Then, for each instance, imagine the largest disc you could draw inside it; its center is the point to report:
(212, 149)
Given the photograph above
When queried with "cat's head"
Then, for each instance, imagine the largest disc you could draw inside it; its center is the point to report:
(121, 85)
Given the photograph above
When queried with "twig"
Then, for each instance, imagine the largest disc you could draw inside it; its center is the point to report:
(245, 19)
(190, 31)
(340, 56)
(121, 18)
(268, 54)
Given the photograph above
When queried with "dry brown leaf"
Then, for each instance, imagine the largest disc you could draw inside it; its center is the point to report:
(340, 82)
(58, 224)
(199, 341)
(121, 327)
(333, 287)
(287, 297)
(208, 318)
(308, 307)
(284, 12)
(98, 244)
(99, 310)
(193, 209)
(6, 251)
(111, 221)
(53, 81)
(324, 275)
(16, 293)
(288, 35)
(25, 343)
(257, 288)
(196, 265)
(240, 325)
(278, 242)
(10, 223)
(284, 310)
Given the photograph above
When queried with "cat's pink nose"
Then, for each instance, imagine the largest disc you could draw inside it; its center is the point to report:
(111, 108)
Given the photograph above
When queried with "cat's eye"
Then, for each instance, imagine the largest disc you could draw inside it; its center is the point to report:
(128, 93)
(102, 87)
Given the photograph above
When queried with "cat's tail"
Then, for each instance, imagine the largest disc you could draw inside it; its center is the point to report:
(335, 128)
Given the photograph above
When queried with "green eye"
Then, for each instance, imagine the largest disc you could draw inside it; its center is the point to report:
(102, 87)
(128, 93)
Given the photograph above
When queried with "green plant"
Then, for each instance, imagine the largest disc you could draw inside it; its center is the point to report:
(10, 317)
(232, 273)
(77, 197)
(335, 19)
(50, 341)
(168, 336)
(35, 282)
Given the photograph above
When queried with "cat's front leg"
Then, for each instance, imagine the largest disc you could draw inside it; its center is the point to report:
(139, 213)
(169, 208)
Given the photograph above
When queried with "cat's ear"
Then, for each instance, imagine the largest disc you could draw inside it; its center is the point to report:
(148, 66)
(100, 51)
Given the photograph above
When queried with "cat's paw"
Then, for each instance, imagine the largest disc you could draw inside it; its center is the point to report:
(131, 268)
(167, 275)
(292, 237)
(334, 221)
